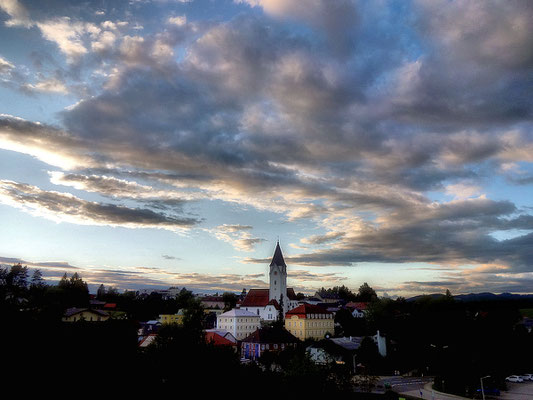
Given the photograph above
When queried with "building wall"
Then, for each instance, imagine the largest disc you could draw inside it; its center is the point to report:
(86, 316)
(253, 351)
(171, 319)
(314, 327)
(268, 313)
(278, 285)
(240, 327)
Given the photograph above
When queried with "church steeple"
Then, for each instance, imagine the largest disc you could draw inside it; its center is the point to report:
(278, 278)
(278, 259)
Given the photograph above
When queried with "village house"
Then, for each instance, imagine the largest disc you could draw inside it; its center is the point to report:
(212, 302)
(309, 321)
(219, 338)
(358, 309)
(172, 318)
(335, 350)
(85, 314)
(240, 323)
(267, 339)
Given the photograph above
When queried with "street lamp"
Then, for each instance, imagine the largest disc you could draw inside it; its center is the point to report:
(482, 390)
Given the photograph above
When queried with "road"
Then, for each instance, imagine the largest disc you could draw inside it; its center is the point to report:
(417, 387)
(421, 388)
(518, 391)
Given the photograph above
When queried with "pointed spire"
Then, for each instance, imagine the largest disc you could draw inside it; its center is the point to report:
(278, 257)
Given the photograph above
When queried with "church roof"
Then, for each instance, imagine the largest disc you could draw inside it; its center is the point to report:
(277, 259)
(261, 297)
(256, 298)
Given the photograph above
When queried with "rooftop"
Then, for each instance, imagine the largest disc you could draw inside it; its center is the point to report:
(278, 259)
(261, 297)
(305, 309)
(237, 312)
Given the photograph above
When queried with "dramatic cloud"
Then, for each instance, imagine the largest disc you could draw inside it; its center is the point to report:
(68, 208)
(383, 127)
(337, 19)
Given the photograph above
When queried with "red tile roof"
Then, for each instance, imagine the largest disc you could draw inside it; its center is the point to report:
(256, 298)
(217, 340)
(357, 305)
(306, 309)
(260, 297)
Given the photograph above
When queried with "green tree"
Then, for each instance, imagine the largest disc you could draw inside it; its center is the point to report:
(37, 280)
(230, 300)
(193, 318)
(74, 291)
(366, 293)
(101, 292)
(15, 283)
(17, 277)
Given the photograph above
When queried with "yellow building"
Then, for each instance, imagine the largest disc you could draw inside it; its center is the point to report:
(85, 314)
(309, 321)
(172, 318)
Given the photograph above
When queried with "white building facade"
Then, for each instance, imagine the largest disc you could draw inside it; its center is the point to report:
(240, 323)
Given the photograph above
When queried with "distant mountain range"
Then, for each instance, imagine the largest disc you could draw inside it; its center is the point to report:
(479, 296)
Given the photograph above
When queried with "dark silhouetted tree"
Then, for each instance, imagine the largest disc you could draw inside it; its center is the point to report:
(366, 293)
(230, 300)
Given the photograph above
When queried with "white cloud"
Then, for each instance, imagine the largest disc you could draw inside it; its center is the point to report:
(67, 35)
(19, 15)
(5, 66)
(104, 41)
(179, 20)
(462, 191)
(51, 85)
(239, 236)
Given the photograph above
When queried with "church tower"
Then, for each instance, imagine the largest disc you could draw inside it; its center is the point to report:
(278, 278)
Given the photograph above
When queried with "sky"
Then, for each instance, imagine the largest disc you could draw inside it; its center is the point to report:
(158, 143)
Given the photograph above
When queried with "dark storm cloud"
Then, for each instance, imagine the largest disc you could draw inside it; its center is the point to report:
(478, 69)
(458, 232)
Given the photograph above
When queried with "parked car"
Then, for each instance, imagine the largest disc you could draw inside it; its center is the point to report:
(527, 377)
(514, 378)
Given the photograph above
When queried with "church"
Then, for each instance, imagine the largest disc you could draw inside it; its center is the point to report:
(269, 303)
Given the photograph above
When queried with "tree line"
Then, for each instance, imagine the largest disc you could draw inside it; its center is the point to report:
(458, 342)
